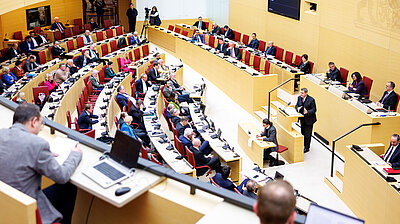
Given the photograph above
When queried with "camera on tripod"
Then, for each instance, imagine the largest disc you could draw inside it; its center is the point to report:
(147, 11)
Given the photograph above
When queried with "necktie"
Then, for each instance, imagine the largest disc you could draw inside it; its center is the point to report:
(88, 39)
(198, 37)
(60, 28)
(303, 99)
(389, 154)
(383, 100)
(199, 25)
(233, 52)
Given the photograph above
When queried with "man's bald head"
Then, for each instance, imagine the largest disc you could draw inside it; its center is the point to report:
(196, 142)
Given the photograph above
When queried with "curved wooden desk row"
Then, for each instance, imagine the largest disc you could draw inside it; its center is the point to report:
(250, 92)
(26, 84)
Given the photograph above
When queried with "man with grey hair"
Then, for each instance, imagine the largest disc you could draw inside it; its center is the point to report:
(216, 29)
(87, 38)
(250, 189)
(93, 79)
(61, 74)
(142, 85)
(204, 160)
(93, 54)
(57, 50)
(188, 137)
(72, 68)
(134, 39)
(58, 26)
(307, 107)
(271, 50)
(82, 60)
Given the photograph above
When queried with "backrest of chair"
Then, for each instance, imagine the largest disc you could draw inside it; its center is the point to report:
(116, 121)
(36, 29)
(207, 24)
(89, 87)
(245, 39)
(256, 62)
(78, 107)
(18, 35)
(266, 67)
(145, 50)
(102, 75)
(69, 120)
(144, 153)
(76, 30)
(4, 51)
(107, 23)
(262, 44)
(57, 35)
(177, 30)
(174, 130)
(88, 27)
(129, 105)
(76, 122)
(397, 103)
(86, 79)
(311, 67)
(99, 36)
(185, 33)
(130, 56)
(170, 28)
(344, 74)
(136, 52)
(288, 57)
(39, 89)
(247, 58)
(297, 60)
(133, 89)
(70, 45)
(42, 57)
(113, 45)
(211, 41)
(119, 31)
(368, 83)
(104, 49)
(279, 53)
(79, 42)
(178, 145)
(67, 32)
(237, 36)
(190, 157)
(109, 33)
(78, 22)
(154, 159)
(41, 83)
(91, 133)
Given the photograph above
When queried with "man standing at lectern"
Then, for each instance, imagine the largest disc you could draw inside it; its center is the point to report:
(306, 106)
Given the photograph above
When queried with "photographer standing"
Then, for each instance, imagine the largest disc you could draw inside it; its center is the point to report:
(154, 17)
(132, 14)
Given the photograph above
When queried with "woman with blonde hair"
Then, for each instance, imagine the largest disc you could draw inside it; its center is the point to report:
(8, 78)
(125, 63)
(50, 83)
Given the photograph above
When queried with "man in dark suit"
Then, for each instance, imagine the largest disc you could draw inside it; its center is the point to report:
(122, 97)
(132, 13)
(333, 73)
(135, 39)
(200, 24)
(57, 50)
(233, 51)
(153, 73)
(201, 159)
(93, 24)
(271, 50)
(216, 29)
(222, 46)
(136, 112)
(269, 135)
(57, 25)
(141, 86)
(13, 52)
(85, 119)
(82, 60)
(254, 42)
(187, 140)
(228, 33)
(392, 155)
(33, 42)
(389, 98)
(26, 46)
(41, 39)
(197, 37)
(307, 107)
(30, 64)
(93, 54)
(182, 125)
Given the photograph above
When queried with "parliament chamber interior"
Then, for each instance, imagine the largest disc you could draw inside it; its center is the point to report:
(187, 111)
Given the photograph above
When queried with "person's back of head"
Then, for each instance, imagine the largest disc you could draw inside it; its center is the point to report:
(29, 115)
(251, 186)
(225, 171)
(276, 203)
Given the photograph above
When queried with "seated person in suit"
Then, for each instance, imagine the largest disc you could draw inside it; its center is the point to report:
(182, 125)
(358, 86)
(109, 72)
(223, 178)
(168, 90)
(122, 97)
(85, 119)
(202, 159)
(254, 42)
(200, 24)
(250, 189)
(176, 87)
(57, 25)
(82, 60)
(126, 128)
(153, 74)
(93, 24)
(26, 46)
(93, 54)
(271, 50)
(87, 38)
(222, 46)
(333, 73)
(95, 82)
(34, 43)
(305, 65)
(175, 119)
(50, 83)
(228, 33)
(20, 98)
(18, 71)
(57, 50)
(392, 155)
(276, 193)
(142, 86)
(8, 78)
(269, 135)
(13, 52)
(134, 39)
(41, 39)
(198, 37)
(136, 112)
(187, 140)
(216, 29)
(163, 69)
(72, 68)
(389, 98)
(168, 112)
(61, 74)
(233, 51)
(2, 87)
(30, 64)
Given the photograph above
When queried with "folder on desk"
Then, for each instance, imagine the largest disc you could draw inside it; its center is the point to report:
(391, 171)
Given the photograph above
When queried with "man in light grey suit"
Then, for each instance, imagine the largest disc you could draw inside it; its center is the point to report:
(25, 157)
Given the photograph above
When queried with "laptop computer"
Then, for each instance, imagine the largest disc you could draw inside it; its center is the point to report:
(318, 214)
(119, 165)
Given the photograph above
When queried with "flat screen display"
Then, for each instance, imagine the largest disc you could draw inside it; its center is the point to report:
(288, 8)
(38, 17)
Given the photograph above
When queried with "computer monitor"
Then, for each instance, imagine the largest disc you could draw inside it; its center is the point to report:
(125, 150)
(219, 132)
(318, 214)
(212, 125)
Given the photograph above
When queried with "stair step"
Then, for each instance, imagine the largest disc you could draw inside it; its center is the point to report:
(286, 97)
(261, 114)
(335, 184)
(277, 104)
(273, 111)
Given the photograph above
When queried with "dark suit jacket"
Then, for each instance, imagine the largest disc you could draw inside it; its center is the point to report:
(254, 44)
(186, 142)
(270, 136)
(72, 70)
(199, 157)
(237, 53)
(305, 67)
(94, 25)
(224, 47)
(122, 100)
(229, 34)
(153, 75)
(359, 88)
(25, 47)
(139, 86)
(217, 30)
(309, 103)
(271, 51)
(335, 75)
(390, 101)
(203, 25)
(11, 53)
(85, 121)
(29, 66)
(79, 61)
(58, 51)
(224, 183)
(175, 120)
(180, 129)
(54, 26)
(39, 40)
(195, 38)
(137, 116)
(395, 159)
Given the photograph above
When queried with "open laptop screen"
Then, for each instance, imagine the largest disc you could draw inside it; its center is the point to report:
(125, 150)
(317, 214)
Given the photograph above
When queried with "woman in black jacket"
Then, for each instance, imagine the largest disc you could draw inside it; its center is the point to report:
(154, 17)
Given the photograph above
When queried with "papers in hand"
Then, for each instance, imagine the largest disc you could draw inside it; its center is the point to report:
(62, 147)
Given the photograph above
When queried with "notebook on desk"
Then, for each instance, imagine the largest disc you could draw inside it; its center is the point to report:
(120, 163)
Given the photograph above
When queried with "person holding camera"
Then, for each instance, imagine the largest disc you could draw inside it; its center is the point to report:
(154, 17)
(132, 14)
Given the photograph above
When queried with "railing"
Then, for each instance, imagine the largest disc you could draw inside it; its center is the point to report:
(269, 93)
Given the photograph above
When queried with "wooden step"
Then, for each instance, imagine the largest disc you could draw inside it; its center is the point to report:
(260, 114)
(286, 97)
(340, 170)
(273, 111)
(335, 184)
(278, 104)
